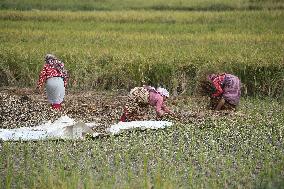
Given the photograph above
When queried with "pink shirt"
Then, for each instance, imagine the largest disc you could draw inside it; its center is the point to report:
(156, 100)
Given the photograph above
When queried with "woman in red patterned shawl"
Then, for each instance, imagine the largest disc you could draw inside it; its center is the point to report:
(227, 90)
(54, 76)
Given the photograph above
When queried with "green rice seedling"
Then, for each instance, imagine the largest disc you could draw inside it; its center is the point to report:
(8, 173)
(209, 166)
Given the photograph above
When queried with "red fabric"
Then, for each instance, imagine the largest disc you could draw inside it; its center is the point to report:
(123, 118)
(56, 106)
(47, 72)
(217, 82)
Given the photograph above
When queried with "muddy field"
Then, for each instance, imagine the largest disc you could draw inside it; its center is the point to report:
(24, 107)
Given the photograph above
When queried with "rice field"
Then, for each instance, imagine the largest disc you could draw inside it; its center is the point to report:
(188, 5)
(115, 45)
(121, 49)
(240, 150)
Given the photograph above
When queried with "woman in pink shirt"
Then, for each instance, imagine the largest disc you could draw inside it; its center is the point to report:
(140, 97)
(54, 77)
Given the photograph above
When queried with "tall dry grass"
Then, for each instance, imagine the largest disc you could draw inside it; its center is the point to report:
(122, 49)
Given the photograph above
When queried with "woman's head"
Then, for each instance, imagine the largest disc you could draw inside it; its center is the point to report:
(211, 77)
(49, 57)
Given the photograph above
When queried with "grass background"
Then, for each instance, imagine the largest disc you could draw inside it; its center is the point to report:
(189, 5)
(122, 49)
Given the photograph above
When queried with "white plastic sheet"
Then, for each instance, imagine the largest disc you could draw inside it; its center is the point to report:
(63, 128)
(122, 126)
(66, 128)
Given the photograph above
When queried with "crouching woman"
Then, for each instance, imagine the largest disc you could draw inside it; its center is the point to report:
(227, 91)
(54, 76)
(141, 97)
